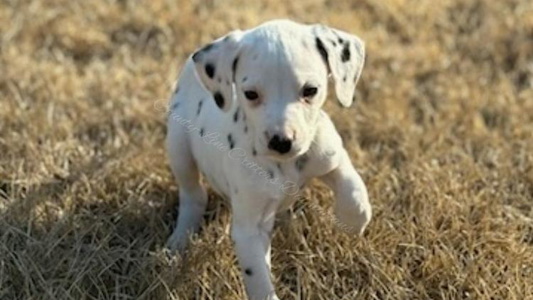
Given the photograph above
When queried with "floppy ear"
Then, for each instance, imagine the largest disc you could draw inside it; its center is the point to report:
(344, 55)
(214, 66)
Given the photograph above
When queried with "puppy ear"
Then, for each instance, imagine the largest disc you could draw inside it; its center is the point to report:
(215, 65)
(344, 55)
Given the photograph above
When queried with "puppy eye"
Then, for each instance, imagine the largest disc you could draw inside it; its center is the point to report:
(251, 95)
(309, 91)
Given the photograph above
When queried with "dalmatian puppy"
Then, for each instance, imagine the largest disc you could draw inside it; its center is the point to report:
(246, 115)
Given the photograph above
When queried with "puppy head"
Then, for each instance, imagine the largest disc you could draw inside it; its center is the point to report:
(278, 74)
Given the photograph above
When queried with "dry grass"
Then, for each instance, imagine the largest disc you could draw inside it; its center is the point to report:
(442, 134)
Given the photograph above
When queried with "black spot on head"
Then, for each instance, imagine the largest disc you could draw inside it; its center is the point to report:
(248, 272)
(231, 141)
(236, 115)
(271, 174)
(254, 152)
(210, 70)
(219, 99)
(345, 55)
(199, 107)
(201, 132)
(301, 162)
(219, 79)
(333, 43)
(322, 50)
(279, 167)
(344, 78)
(244, 79)
(341, 40)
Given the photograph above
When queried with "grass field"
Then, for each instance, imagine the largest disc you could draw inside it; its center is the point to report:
(442, 133)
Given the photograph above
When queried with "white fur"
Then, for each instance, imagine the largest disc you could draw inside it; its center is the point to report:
(276, 60)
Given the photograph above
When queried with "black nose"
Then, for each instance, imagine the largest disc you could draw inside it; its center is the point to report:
(280, 144)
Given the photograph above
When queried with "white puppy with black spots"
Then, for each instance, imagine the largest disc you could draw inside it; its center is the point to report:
(246, 114)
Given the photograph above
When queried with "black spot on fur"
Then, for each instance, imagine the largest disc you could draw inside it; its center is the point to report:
(201, 132)
(177, 89)
(322, 50)
(196, 56)
(231, 141)
(234, 65)
(175, 105)
(341, 40)
(244, 79)
(245, 128)
(271, 174)
(199, 53)
(248, 272)
(219, 99)
(200, 104)
(207, 47)
(345, 55)
(344, 78)
(236, 115)
(301, 162)
(219, 80)
(210, 70)
(333, 43)
(279, 167)
(254, 152)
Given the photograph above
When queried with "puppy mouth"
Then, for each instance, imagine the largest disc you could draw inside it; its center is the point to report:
(280, 157)
(276, 156)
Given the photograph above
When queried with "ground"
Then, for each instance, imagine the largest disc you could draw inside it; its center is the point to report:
(442, 134)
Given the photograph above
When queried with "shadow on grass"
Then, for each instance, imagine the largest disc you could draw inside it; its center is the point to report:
(96, 234)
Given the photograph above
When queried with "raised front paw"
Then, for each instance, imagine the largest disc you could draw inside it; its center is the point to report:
(355, 218)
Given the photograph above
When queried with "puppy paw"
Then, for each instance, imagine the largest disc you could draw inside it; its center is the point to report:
(176, 245)
(354, 220)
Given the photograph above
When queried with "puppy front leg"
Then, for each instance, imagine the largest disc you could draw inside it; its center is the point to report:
(251, 234)
(352, 207)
